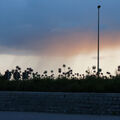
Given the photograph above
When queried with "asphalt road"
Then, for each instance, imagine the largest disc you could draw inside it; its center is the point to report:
(47, 116)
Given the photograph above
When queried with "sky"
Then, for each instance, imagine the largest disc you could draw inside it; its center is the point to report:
(44, 34)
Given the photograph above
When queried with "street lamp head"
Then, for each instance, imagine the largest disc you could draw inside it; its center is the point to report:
(99, 6)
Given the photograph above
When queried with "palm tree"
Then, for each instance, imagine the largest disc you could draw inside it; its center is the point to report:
(59, 70)
(64, 66)
(51, 71)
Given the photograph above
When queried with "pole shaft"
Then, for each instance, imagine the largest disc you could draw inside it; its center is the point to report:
(98, 41)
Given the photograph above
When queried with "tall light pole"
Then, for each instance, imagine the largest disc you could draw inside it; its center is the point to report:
(98, 57)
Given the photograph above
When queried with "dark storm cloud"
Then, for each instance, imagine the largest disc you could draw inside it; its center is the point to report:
(38, 26)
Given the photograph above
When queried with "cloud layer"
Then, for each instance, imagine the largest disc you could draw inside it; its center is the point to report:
(56, 28)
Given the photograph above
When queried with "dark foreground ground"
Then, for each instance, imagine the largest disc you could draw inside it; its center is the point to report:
(47, 116)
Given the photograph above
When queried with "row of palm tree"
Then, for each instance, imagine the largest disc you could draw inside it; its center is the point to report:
(64, 72)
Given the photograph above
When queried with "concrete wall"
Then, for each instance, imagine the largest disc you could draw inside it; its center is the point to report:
(83, 103)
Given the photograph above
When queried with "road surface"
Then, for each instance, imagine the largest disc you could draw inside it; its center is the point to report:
(48, 116)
